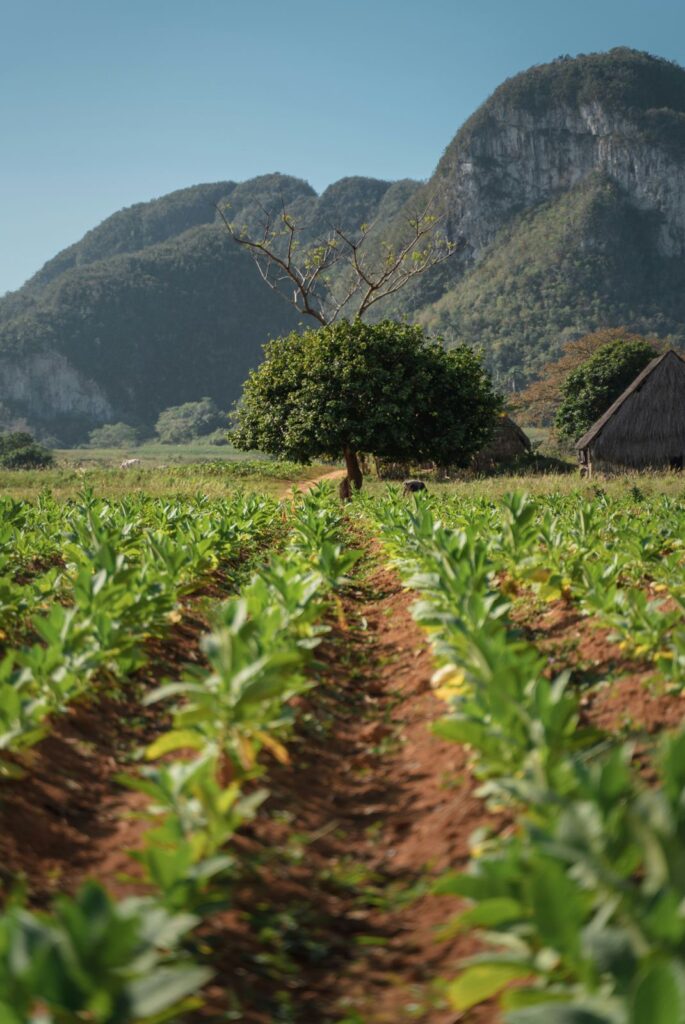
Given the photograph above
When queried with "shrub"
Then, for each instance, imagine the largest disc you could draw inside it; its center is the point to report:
(217, 437)
(18, 450)
(182, 423)
(381, 388)
(114, 435)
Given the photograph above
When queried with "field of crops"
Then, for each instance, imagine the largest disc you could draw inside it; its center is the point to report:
(239, 782)
(581, 898)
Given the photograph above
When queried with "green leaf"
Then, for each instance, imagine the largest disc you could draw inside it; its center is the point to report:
(488, 914)
(481, 982)
(659, 996)
(175, 740)
(523, 998)
(554, 1012)
(172, 1012)
(557, 910)
(8, 1015)
(164, 988)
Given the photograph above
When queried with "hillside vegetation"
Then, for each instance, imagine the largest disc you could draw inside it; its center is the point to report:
(557, 272)
(158, 306)
(563, 192)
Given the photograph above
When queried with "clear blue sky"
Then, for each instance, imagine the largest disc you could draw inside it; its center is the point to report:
(104, 103)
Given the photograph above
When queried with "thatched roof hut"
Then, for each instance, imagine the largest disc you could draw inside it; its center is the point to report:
(645, 426)
(507, 444)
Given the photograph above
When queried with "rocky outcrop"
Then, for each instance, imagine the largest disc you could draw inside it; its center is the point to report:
(44, 387)
(621, 114)
(517, 160)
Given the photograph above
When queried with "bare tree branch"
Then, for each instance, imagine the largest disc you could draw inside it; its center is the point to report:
(366, 279)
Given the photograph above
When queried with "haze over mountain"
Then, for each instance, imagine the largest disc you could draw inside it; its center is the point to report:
(567, 188)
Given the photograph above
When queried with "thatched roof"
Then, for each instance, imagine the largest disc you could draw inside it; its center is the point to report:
(508, 441)
(646, 424)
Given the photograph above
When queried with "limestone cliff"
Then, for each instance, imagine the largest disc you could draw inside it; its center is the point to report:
(549, 129)
(567, 189)
(43, 387)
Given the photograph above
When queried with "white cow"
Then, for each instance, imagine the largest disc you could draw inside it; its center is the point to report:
(129, 463)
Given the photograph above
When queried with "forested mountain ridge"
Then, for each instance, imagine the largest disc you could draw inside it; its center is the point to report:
(567, 188)
(587, 259)
(127, 231)
(158, 305)
(566, 191)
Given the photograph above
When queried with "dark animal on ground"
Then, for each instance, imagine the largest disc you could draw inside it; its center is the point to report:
(412, 486)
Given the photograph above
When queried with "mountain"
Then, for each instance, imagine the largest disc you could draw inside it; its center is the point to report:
(558, 271)
(158, 306)
(565, 190)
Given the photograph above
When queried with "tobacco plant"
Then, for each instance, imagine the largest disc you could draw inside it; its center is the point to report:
(582, 901)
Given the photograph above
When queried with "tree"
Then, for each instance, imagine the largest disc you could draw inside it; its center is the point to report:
(379, 388)
(538, 403)
(114, 435)
(344, 273)
(182, 423)
(18, 450)
(589, 390)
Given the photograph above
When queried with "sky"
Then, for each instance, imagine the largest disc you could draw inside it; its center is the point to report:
(105, 103)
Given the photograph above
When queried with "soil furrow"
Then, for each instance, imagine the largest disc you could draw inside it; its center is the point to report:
(336, 922)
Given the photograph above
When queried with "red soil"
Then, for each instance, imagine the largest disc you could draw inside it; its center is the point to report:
(370, 810)
(621, 694)
(67, 818)
(372, 806)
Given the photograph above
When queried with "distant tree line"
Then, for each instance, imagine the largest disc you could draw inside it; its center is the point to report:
(179, 424)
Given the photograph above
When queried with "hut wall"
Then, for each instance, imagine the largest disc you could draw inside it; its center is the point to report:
(507, 443)
(648, 430)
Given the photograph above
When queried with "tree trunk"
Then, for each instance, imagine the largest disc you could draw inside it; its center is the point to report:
(354, 473)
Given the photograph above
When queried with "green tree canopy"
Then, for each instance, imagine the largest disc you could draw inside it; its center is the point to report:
(114, 435)
(589, 390)
(18, 450)
(381, 388)
(185, 422)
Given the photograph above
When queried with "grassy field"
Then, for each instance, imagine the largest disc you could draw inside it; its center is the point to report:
(184, 476)
(213, 470)
(494, 487)
(152, 453)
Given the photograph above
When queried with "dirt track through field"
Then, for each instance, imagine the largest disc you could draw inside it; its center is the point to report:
(370, 810)
(307, 485)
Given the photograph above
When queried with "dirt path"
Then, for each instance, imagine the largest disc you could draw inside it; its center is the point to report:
(307, 485)
(337, 924)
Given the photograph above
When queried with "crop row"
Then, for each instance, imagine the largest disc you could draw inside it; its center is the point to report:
(620, 561)
(122, 568)
(581, 901)
(119, 962)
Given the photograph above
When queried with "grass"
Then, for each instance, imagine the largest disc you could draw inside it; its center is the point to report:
(539, 436)
(216, 470)
(153, 453)
(637, 484)
(100, 470)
